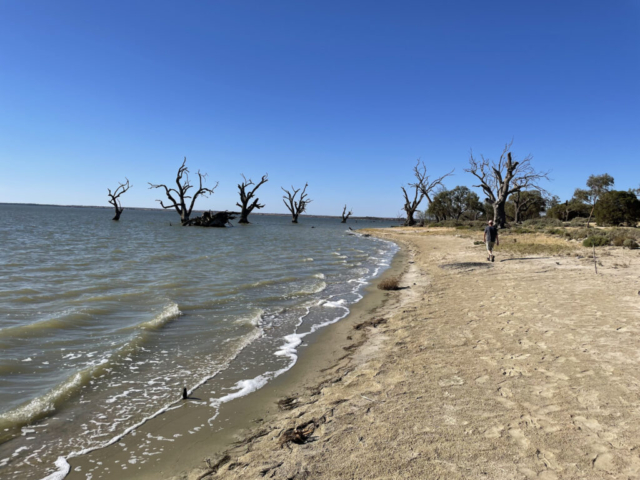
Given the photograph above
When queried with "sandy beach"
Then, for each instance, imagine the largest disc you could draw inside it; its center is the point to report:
(526, 368)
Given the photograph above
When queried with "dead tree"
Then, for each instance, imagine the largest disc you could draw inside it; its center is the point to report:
(296, 207)
(246, 197)
(423, 181)
(181, 203)
(345, 215)
(500, 179)
(210, 219)
(115, 198)
(410, 206)
(422, 188)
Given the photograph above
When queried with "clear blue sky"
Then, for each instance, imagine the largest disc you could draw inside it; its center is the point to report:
(344, 95)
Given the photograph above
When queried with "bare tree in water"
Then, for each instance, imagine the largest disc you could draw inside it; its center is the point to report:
(345, 215)
(500, 179)
(179, 197)
(296, 207)
(115, 198)
(247, 202)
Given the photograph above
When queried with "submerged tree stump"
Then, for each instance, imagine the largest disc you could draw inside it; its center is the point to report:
(210, 219)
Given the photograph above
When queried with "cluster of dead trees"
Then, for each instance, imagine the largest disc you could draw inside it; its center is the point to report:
(500, 180)
(513, 191)
(182, 198)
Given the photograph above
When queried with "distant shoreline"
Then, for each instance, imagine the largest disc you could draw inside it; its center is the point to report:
(195, 211)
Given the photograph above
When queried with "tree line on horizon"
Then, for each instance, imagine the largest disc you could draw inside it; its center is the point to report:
(512, 190)
(513, 193)
(183, 201)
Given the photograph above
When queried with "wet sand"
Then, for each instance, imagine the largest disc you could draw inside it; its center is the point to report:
(525, 368)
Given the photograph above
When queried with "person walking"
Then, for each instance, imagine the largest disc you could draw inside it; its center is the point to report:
(491, 239)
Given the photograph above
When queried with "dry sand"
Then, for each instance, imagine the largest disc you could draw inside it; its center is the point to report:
(525, 368)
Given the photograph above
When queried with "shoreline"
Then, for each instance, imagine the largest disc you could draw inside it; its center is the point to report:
(532, 375)
(315, 354)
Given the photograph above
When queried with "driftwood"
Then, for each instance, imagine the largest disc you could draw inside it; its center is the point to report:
(301, 433)
(210, 219)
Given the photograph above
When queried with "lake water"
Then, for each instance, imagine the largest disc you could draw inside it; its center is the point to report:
(102, 323)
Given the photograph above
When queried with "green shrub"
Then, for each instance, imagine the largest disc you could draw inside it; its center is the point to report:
(460, 225)
(521, 230)
(579, 222)
(542, 222)
(616, 207)
(595, 241)
(618, 241)
(555, 231)
(630, 243)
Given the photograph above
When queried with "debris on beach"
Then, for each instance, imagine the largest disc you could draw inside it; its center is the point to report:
(288, 403)
(370, 323)
(301, 433)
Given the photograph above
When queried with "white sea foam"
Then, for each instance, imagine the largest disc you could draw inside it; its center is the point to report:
(254, 319)
(338, 304)
(62, 462)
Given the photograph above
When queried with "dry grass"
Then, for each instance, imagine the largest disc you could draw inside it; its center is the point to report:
(391, 283)
(536, 244)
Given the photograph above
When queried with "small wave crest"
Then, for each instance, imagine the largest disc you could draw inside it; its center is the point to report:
(169, 313)
(44, 404)
(310, 290)
(255, 318)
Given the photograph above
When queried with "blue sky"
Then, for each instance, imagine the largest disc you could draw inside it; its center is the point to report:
(344, 95)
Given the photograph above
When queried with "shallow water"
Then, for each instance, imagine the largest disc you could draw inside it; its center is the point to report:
(102, 323)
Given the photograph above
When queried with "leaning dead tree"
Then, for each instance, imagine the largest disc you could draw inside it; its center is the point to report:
(424, 182)
(345, 215)
(500, 179)
(179, 196)
(296, 207)
(115, 198)
(247, 202)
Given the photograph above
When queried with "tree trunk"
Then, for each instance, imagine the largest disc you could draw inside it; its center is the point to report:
(499, 214)
(118, 213)
(344, 220)
(295, 219)
(243, 216)
(590, 214)
(409, 222)
(516, 217)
